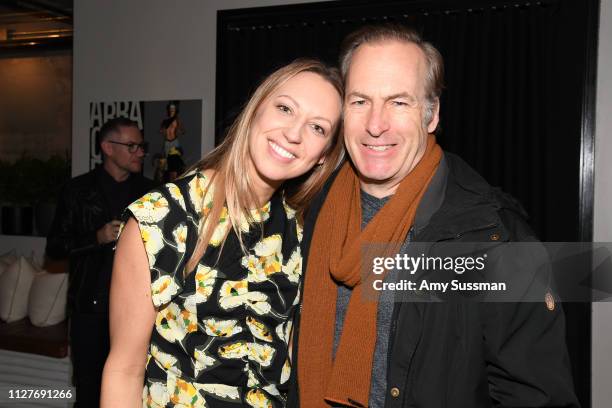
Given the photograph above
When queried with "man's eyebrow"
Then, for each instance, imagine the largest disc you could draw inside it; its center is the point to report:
(386, 98)
(358, 95)
(402, 95)
(293, 100)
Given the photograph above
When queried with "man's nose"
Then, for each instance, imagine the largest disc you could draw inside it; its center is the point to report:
(377, 123)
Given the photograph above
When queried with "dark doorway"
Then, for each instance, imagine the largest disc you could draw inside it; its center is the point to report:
(518, 104)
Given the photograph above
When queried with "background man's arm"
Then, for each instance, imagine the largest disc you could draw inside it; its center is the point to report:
(63, 237)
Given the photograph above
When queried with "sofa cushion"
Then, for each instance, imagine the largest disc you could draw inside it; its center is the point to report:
(47, 300)
(15, 285)
(7, 259)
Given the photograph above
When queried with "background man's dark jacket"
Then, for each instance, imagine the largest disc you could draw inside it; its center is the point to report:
(83, 208)
(470, 355)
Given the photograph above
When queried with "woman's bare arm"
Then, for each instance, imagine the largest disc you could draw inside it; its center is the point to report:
(132, 316)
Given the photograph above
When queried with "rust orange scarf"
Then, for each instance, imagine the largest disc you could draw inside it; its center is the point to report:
(335, 254)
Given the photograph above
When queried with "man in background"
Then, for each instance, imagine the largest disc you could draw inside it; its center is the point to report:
(84, 231)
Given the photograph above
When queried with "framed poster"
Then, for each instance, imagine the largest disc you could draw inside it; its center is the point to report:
(171, 128)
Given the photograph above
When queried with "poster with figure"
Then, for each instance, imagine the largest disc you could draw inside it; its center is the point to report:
(172, 131)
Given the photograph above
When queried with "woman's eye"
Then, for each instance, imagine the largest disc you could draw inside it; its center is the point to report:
(318, 129)
(283, 108)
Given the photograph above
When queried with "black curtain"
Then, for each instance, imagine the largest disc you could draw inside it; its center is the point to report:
(516, 82)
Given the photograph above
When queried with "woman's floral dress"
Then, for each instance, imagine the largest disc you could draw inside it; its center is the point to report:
(221, 333)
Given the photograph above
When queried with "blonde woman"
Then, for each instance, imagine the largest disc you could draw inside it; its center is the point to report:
(207, 269)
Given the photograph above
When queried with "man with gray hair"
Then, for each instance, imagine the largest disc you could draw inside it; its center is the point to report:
(401, 188)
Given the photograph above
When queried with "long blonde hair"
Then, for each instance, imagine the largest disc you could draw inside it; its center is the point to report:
(230, 181)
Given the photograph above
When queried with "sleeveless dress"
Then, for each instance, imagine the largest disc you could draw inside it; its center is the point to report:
(221, 333)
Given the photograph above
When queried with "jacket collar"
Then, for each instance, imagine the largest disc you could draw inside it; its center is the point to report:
(470, 204)
(433, 198)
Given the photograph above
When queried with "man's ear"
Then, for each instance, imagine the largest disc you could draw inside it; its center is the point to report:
(435, 117)
(106, 147)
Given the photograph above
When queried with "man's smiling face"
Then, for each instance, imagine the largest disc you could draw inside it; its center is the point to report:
(383, 114)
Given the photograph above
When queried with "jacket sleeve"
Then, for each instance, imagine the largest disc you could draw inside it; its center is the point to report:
(527, 361)
(64, 236)
(526, 355)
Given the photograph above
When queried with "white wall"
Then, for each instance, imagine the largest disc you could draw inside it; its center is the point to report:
(602, 312)
(146, 50)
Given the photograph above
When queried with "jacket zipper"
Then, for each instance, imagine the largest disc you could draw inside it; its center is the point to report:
(396, 314)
